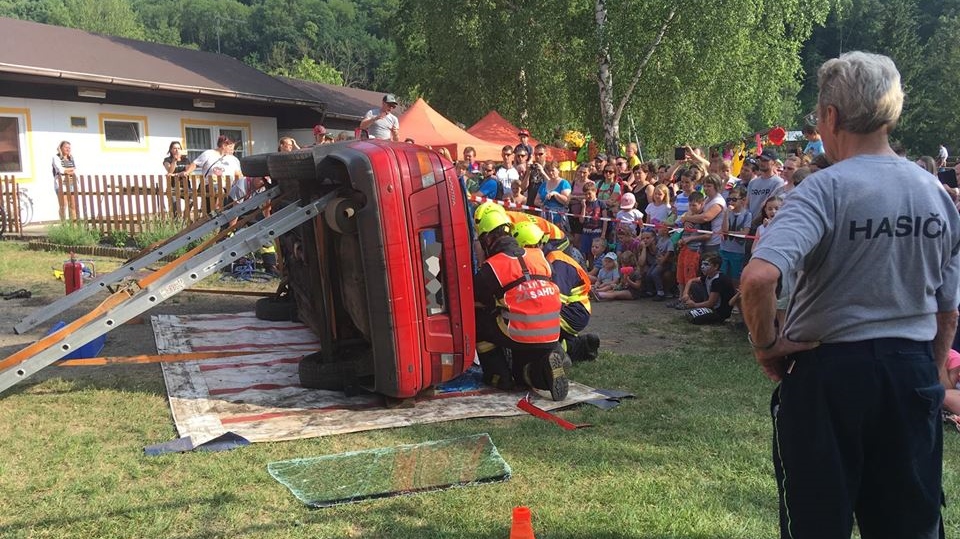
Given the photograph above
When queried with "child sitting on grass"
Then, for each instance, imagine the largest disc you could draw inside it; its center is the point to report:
(708, 297)
(631, 280)
(598, 248)
(609, 275)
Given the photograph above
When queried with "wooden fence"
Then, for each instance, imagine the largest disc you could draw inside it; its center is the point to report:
(9, 207)
(110, 202)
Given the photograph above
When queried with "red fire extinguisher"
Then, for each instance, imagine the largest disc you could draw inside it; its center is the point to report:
(72, 274)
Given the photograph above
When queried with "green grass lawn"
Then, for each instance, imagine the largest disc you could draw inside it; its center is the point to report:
(689, 457)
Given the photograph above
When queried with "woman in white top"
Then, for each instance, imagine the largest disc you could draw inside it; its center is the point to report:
(218, 162)
(714, 212)
(65, 180)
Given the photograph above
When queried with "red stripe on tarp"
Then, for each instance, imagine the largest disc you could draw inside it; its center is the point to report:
(241, 346)
(527, 406)
(277, 415)
(232, 390)
(272, 362)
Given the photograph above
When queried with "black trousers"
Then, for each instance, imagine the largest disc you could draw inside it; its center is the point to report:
(497, 371)
(857, 432)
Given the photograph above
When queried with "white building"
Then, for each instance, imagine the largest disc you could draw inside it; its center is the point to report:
(121, 102)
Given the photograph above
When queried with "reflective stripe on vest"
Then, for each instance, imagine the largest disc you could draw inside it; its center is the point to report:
(579, 293)
(530, 306)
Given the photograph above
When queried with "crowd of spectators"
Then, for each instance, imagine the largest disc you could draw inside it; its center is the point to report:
(675, 232)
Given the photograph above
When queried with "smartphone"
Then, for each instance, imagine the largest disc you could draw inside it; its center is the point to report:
(948, 177)
(679, 153)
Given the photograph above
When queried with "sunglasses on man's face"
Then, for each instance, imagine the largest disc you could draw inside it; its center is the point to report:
(733, 199)
(540, 153)
(609, 171)
(488, 170)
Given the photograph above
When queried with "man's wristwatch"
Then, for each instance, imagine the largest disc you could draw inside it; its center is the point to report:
(776, 338)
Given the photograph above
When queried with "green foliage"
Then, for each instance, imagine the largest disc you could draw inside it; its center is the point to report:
(722, 69)
(157, 230)
(117, 238)
(111, 17)
(309, 69)
(72, 233)
(920, 36)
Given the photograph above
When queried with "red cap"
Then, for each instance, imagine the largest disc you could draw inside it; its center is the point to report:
(523, 133)
(319, 130)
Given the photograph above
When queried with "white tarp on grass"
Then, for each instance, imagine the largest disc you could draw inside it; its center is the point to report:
(258, 396)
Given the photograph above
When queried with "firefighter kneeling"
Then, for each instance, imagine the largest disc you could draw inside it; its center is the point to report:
(574, 285)
(518, 309)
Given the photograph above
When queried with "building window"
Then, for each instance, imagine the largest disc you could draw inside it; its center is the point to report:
(200, 138)
(121, 132)
(78, 122)
(14, 127)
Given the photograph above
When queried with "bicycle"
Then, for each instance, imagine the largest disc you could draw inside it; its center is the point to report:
(245, 269)
(26, 207)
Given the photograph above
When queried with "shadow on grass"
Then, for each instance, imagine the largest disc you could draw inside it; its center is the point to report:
(53, 525)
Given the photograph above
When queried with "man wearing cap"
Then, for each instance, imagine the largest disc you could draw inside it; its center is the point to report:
(524, 145)
(599, 161)
(381, 123)
(320, 135)
(536, 173)
(763, 185)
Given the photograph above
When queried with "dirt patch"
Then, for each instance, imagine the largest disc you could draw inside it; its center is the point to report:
(133, 338)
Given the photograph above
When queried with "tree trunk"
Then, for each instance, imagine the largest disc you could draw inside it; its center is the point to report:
(611, 117)
(611, 127)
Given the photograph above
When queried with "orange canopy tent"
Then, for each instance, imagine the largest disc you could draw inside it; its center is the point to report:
(428, 127)
(497, 129)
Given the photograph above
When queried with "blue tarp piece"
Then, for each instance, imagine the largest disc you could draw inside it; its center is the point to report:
(614, 398)
(224, 442)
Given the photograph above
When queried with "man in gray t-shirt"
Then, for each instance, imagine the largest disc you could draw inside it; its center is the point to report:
(763, 185)
(861, 353)
(381, 123)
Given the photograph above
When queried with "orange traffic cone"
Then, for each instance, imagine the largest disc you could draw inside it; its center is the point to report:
(522, 528)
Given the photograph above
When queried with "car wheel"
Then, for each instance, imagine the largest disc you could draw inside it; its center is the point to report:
(331, 375)
(297, 165)
(276, 309)
(255, 165)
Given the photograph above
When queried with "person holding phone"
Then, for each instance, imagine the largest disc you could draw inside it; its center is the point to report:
(380, 123)
(176, 163)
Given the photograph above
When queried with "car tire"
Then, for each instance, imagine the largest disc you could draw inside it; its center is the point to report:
(296, 165)
(255, 165)
(315, 373)
(274, 309)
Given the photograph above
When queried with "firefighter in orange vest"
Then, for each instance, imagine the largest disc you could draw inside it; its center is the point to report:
(518, 309)
(574, 284)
